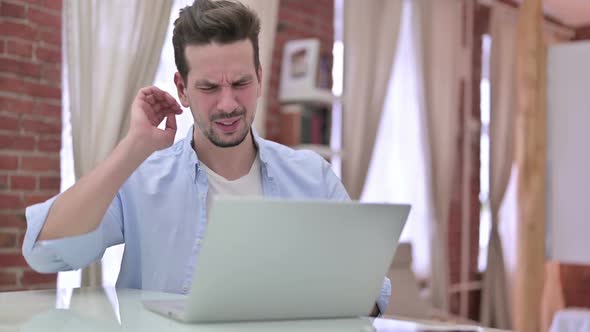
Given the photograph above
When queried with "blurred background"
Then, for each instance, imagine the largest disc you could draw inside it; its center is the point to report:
(473, 111)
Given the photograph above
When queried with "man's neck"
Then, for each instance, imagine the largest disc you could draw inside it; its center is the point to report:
(231, 163)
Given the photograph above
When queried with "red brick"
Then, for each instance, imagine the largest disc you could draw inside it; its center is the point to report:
(33, 278)
(40, 164)
(39, 126)
(11, 288)
(8, 123)
(50, 36)
(7, 240)
(12, 260)
(20, 48)
(49, 145)
(8, 163)
(49, 183)
(23, 182)
(44, 18)
(16, 105)
(3, 184)
(29, 88)
(50, 286)
(19, 30)
(52, 74)
(46, 109)
(20, 237)
(13, 10)
(54, 5)
(35, 198)
(48, 55)
(8, 278)
(12, 142)
(19, 67)
(13, 220)
(11, 201)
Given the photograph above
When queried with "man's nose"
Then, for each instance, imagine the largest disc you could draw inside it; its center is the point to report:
(227, 100)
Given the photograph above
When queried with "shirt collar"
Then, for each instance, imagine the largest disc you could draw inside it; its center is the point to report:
(192, 157)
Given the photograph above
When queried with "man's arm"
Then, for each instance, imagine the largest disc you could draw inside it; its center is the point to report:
(80, 209)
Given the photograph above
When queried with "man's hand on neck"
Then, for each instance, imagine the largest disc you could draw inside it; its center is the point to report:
(231, 163)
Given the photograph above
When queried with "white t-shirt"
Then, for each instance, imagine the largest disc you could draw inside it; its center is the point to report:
(248, 185)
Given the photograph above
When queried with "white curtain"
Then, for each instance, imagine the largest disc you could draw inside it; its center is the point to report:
(370, 39)
(438, 27)
(495, 305)
(112, 50)
(268, 11)
(398, 167)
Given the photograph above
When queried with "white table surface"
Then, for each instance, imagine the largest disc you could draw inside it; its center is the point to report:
(110, 309)
(571, 320)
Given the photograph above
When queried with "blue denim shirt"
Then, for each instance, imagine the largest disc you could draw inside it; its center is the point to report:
(162, 244)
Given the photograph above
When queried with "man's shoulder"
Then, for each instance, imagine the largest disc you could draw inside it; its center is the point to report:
(165, 156)
(161, 162)
(162, 170)
(302, 173)
(283, 155)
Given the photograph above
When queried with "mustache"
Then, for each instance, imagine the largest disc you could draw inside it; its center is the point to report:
(233, 114)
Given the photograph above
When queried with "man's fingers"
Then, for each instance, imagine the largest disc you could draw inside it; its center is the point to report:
(159, 100)
(157, 107)
(171, 122)
(150, 99)
(153, 94)
(148, 110)
(171, 101)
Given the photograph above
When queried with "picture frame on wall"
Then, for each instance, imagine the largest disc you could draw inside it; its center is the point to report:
(299, 69)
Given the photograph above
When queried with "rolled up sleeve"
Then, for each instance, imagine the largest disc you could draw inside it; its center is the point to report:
(74, 252)
(383, 299)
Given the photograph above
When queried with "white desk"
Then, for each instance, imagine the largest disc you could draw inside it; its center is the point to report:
(571, 320)
(109, 309)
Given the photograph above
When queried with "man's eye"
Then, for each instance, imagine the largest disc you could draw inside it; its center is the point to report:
(208, 88)
(240, 84)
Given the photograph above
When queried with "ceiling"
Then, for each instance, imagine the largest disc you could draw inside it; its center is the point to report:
(573, 13)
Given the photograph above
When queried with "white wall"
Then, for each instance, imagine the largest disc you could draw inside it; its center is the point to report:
(568, 157)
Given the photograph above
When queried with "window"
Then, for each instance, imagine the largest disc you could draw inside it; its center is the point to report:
(397, 172)
(485, 214)
(111, 261)
(337, 86)
(165, 75)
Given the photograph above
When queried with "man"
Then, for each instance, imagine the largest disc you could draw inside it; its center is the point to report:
(154, 196)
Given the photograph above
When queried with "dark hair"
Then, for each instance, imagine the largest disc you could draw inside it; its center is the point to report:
(207, 21)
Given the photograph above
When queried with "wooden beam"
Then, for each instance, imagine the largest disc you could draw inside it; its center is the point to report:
(530, 157)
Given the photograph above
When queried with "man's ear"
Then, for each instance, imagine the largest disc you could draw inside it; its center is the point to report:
(181, 89)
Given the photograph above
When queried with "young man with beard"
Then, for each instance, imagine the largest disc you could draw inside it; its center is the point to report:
(153, 195)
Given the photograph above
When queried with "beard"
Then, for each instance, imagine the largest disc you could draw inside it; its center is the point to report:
(236, 138)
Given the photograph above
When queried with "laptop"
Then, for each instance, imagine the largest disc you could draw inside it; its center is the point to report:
(272, 259)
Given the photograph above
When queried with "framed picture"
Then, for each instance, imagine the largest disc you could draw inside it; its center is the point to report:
(299, 68)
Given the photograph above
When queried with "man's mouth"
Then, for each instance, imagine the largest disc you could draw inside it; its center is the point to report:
(228, 125)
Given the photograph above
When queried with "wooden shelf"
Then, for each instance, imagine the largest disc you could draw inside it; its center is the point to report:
(315, 96)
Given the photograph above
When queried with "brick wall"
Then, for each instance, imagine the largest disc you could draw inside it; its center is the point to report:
(30, 126)
(582, 33)
(30, 111)
(298, 19)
